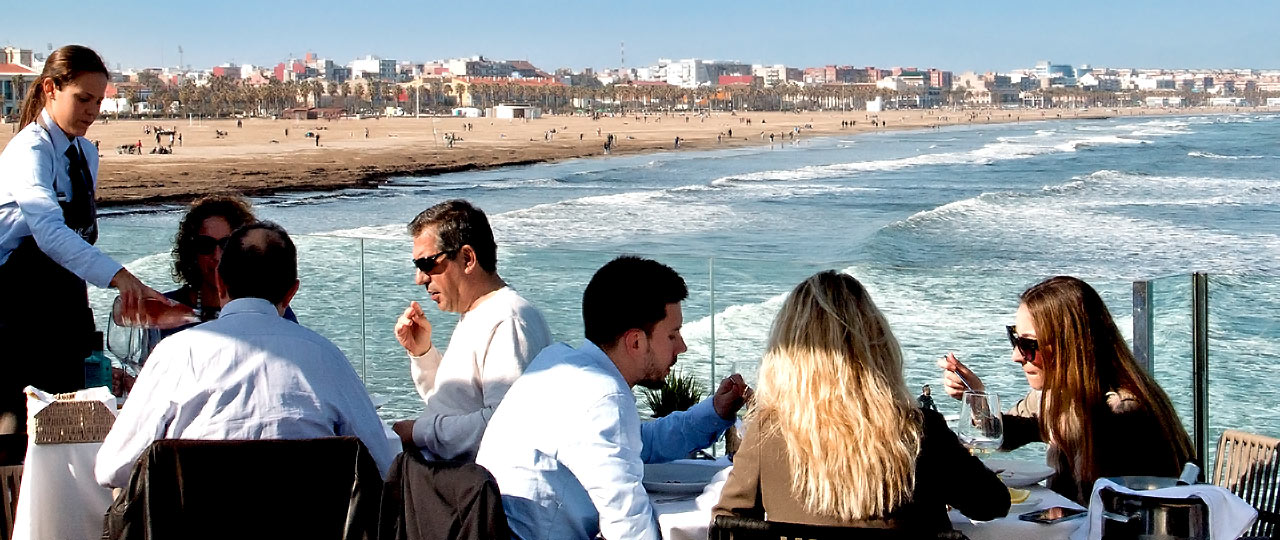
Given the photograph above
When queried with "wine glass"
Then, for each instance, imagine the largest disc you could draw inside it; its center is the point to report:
(131, 336)
(125, 340)
(981, 426)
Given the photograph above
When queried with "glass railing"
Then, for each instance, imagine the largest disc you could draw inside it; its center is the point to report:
(353, 289)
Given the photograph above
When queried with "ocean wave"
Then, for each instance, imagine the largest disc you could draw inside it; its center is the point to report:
(1088, 222)
(1211, 155)
(612, 217)
(1004, 148)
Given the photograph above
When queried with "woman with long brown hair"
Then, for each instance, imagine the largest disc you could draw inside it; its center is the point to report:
(835, 438)
(48, 225)
(1101, 414)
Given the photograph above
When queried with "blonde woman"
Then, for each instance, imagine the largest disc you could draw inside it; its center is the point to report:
(835, 437)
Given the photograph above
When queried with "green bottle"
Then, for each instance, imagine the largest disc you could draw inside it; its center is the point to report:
(97, 367)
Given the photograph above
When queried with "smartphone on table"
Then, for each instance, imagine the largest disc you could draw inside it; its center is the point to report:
(1052, 515)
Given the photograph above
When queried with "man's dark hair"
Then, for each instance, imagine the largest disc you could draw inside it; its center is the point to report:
(458, 223)
(628, 293)
(263, 265)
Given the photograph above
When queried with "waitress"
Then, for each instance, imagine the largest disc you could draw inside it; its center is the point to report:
(48, 224)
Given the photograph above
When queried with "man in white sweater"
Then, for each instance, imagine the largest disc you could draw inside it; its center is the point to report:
(496, 338)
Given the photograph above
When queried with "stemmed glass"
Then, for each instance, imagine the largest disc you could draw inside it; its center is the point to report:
(131, 336)
(981, 427)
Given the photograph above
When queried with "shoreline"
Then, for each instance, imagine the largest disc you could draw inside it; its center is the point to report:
(265, 157)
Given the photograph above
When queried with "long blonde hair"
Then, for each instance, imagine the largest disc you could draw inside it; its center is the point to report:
(831, 387)
(1084, 358)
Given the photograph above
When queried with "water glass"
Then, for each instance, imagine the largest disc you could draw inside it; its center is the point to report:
(981, 426)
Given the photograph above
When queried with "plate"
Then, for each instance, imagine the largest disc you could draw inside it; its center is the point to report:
(1015, 473)
(678, 477)
(1028, 505)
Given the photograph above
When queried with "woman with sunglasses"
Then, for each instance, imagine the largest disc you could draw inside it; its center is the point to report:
(197, 249)
(1100, 413)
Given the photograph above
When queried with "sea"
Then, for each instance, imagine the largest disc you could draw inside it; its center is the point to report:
(944, 226)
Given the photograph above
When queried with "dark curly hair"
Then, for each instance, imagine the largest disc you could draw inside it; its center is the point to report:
(233, 208)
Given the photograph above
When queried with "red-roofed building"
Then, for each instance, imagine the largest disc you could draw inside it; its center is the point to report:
(10, 94)
(726, 80)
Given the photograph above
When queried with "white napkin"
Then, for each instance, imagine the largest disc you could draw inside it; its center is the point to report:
(711, 494)
(38, 399)
(1229, 515)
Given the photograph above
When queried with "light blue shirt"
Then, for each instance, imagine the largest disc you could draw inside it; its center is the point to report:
(33, 179)
(248, 375)
(568, 449)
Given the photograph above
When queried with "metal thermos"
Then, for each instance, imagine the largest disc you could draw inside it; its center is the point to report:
(1134, 516)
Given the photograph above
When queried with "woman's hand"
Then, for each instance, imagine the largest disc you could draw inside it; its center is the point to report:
(953, 370)
(133, 292)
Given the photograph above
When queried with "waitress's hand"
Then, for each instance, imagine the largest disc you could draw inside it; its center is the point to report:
(952, 370)
(133, 292)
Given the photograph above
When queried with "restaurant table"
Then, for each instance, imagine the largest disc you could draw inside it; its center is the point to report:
(59, 497)
(1012, 528)
(688, 517)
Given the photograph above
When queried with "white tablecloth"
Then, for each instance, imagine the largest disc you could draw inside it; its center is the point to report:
(1012, 528)
(59, 497)
(689, 517)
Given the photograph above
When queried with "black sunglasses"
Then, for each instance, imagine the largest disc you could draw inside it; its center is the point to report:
(428, 263)
(1027, 345)
(206, 245)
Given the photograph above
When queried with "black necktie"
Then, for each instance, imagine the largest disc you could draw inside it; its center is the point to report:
(81, 213)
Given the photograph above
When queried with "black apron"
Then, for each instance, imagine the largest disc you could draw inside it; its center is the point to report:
(45, 321)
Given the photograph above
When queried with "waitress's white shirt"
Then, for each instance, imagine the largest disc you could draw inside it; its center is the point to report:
(33, 180)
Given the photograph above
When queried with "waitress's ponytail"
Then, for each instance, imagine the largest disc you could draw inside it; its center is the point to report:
(63, 66)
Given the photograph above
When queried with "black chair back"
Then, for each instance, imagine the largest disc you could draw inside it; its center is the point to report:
(440, 500)
(313, 488)
(744, 528)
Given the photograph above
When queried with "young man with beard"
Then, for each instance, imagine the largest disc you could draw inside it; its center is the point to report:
(567, 446)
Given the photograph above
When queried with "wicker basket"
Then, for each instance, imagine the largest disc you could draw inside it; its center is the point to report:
(69, 420)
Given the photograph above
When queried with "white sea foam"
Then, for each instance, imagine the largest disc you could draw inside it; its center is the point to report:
(1081, 225)
(1211, 155)
(1004, 148)
(610, 218)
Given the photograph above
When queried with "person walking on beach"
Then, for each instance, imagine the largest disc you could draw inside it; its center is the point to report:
(317, 139)
(497, 336)
(48, 225)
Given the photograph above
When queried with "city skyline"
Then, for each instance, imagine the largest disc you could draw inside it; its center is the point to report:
(946, 36)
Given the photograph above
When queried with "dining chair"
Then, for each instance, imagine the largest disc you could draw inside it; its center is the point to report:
(440, 500)
(192, 489)
(745, 528)
(10, 480)
(1249, 466)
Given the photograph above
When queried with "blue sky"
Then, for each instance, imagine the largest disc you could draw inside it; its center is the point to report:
(958, 36)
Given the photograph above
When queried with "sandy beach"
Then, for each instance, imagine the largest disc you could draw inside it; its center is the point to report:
(265, 156)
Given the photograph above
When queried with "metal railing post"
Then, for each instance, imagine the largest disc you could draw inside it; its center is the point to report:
(364, 351)
(1143, 342)
(711, 285)
(1200, 365)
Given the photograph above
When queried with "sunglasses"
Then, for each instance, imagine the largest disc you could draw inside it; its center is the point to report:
(429, 263)
(207, 245)
(1028, 346)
